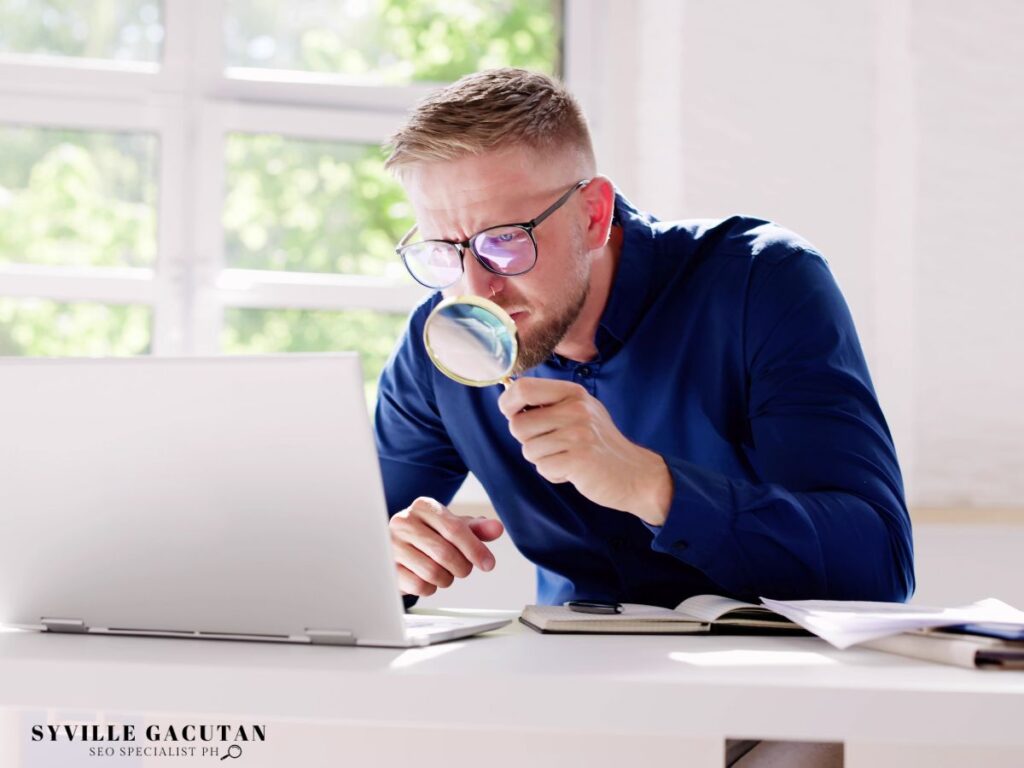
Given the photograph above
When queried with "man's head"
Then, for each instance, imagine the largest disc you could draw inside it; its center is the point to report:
(499, 147)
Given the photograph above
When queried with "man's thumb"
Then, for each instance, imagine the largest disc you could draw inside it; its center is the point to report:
(486, 528)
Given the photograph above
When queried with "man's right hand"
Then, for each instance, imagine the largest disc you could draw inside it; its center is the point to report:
(432, 545)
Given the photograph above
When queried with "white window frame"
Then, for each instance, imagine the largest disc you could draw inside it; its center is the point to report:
(190, 103)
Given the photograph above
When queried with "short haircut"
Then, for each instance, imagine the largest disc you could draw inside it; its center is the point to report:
(492, 110)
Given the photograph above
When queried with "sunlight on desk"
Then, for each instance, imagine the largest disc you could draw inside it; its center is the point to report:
(749, 658)
(416, 655)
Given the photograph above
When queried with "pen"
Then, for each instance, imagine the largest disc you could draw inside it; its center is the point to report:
(593, 606)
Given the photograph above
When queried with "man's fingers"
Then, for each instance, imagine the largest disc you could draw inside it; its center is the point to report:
(458, 532)
(425, 513)
(529, 391)
(411, 584)
(427, 540)
(487, 528)
(555, 469)
(569, 414)
(423, 566)
(551, 444)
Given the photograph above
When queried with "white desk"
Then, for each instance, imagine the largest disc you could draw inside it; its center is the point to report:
(512, 697)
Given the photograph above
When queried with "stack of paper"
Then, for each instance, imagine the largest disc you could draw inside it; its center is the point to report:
(844, 623)
(950, 646)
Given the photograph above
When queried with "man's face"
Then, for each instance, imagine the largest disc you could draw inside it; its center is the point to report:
(456, 199)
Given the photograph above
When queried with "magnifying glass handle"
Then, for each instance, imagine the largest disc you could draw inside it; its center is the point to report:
(506, 383)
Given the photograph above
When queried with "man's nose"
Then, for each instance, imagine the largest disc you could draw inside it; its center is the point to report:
(477, 280)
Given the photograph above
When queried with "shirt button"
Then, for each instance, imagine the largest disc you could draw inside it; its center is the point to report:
(584, 371)
(680, 544)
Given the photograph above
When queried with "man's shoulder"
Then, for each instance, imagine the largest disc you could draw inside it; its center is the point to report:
(758, 240)
(409, 352)
(420, 312)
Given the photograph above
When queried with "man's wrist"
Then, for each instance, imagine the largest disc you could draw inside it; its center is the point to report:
(654, 490)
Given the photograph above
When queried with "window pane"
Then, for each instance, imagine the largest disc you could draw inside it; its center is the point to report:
(124, 30)
(312, 206)
(394, 41)
(372, 334)
(77, 198)
(49, 328)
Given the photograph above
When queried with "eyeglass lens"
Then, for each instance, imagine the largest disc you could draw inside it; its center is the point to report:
(504, 250)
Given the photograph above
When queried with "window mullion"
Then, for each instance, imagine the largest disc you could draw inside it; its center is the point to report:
(194, 57)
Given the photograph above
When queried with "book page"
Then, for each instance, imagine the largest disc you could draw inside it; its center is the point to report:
(710, 608)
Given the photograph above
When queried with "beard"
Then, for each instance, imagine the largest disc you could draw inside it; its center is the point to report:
(537, 345)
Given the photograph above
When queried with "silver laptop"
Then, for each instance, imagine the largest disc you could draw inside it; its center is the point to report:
(228, 497)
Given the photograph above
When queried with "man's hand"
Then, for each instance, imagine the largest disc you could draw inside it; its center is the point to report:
(432, 545)
(573, 439)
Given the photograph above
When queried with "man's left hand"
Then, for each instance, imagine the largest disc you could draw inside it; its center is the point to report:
(570, 437)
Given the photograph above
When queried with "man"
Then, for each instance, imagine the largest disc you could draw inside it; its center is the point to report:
(694, 413)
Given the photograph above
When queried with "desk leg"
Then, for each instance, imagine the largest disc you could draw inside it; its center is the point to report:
(859, 755)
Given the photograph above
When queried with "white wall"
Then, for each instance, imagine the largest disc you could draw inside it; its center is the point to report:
(890, 134)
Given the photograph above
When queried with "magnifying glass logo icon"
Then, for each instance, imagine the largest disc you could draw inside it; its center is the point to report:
(233, 751)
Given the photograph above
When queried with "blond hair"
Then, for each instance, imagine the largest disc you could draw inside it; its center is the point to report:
(489, 110)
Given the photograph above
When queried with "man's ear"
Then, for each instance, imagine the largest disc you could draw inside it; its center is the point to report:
(599, 202)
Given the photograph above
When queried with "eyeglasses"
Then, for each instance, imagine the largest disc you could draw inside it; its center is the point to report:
(507, 250)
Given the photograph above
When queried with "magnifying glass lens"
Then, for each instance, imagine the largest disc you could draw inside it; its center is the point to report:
(471, 340)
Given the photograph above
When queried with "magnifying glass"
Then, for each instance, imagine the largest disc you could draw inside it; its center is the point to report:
(472, 340)
(234, 752)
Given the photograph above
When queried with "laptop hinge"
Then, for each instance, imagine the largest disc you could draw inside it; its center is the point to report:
(331, 637)
(64, 625)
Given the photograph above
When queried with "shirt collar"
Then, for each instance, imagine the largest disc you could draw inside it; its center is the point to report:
(632, 282)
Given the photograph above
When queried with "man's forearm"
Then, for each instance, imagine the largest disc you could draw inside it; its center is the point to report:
(652, 489)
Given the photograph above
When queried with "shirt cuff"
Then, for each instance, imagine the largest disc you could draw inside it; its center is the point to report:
(700, 515)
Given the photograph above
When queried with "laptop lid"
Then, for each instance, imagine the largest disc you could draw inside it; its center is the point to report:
(227, 495)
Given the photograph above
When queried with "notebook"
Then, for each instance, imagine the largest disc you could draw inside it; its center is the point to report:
(695, 615)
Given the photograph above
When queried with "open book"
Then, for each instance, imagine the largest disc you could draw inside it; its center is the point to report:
(701, 613)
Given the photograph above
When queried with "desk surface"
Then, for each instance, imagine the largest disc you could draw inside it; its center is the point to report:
(762, 687)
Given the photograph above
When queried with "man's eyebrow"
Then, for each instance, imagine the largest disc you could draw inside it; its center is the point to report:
(460, 240)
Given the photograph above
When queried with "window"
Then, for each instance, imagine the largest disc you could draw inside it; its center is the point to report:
(77, 198)
(122, 30)
(187, 177)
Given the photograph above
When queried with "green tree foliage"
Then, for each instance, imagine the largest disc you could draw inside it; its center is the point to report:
(372, 334)
(48, 328)
(312, 206)
(395, 41)
(77, 198)
(125, 30)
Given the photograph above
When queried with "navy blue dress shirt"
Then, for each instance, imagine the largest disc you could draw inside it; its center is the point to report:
(726, 347)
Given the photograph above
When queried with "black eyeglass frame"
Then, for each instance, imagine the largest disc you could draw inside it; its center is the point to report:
(460, 247)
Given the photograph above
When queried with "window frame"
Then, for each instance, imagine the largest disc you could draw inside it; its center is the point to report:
(191, 103)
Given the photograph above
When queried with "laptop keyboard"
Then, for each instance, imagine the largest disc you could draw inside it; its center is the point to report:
(434, 622)
(420, 626)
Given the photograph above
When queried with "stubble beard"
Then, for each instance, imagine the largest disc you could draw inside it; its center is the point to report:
(538, 346)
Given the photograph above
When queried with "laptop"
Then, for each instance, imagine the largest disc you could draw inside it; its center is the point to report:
(223, 497)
